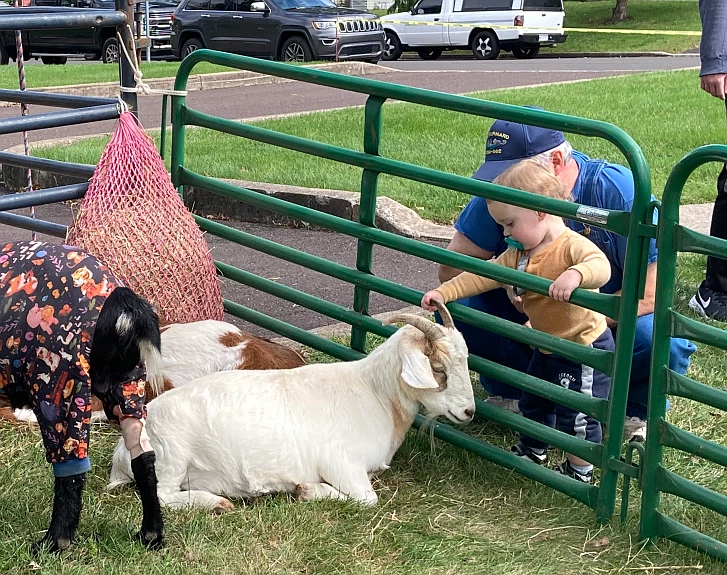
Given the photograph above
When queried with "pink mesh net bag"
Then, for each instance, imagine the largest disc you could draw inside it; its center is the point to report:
(134, 221)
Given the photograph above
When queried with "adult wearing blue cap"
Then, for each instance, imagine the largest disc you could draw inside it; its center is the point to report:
(592, 182)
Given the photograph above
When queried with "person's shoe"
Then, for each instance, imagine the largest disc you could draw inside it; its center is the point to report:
(523, 451)
(504, 403)
(566, 468)
(709, 303)
(634, 429)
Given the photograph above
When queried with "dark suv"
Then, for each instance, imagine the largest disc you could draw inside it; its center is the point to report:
(53, 46)
(288, 30)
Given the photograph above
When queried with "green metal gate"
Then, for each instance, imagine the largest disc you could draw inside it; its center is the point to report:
(674, 238)
(635, 225)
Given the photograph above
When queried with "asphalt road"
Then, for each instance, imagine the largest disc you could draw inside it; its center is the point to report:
(469, 76)
(274, 99)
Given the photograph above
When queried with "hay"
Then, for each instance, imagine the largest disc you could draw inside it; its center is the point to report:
(134, 221)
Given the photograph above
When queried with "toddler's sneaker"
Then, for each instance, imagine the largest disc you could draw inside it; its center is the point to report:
(523, 451)
(566, 468)
(634, 429)
(504, 403)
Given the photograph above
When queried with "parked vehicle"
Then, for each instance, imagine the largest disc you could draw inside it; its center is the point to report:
(54, 46)
(288, 30)
(487, 27)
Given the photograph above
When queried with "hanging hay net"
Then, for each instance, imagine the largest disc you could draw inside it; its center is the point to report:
(134, 221)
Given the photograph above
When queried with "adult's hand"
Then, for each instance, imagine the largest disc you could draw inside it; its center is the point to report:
(715, 84)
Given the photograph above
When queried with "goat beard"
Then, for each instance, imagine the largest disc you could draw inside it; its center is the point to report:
(428, 426)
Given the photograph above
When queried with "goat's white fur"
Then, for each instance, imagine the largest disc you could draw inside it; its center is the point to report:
(123, 324)
(191, 351)
(318, 430)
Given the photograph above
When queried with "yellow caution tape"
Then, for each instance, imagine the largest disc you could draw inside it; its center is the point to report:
(535, 29)
(647, 32)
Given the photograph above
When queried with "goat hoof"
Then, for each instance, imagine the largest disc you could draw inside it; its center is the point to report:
(223, 506)
(151, 539)
(302, 493)
(50, 545)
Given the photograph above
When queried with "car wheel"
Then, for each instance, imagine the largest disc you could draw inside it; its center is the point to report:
(429, 53)
(191, 45)
(110, 51)
(4, 56)
(53, 60)
(485, 45)
(296, 49)
(392, 46)
(525, 51)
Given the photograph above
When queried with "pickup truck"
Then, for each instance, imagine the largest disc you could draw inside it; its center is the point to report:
(54, 46)
(487, 27)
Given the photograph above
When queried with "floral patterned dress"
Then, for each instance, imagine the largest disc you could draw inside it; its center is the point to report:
(50, 300)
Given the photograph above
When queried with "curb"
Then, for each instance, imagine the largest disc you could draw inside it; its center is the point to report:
(198, 82)
(391, 216)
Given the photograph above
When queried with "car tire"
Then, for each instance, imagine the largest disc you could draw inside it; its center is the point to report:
(392, 47)
(429, 53)
(296, 49)
(53, 60)
(525, 51)
(191, 45)
(485, 45)
(4, 56)
(111, 51)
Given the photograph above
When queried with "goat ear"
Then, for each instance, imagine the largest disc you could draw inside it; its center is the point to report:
(416, 371)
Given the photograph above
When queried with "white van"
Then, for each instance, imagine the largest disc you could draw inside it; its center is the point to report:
(484, 26)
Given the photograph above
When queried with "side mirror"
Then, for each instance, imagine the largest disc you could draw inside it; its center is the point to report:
(420, 11)
(259, 7)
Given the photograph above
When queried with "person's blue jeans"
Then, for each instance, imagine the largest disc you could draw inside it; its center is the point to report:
(516, 355)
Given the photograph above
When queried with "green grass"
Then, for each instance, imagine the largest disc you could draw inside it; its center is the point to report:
(441, 511)
(666, 113)
(644, 15)
(40, 76)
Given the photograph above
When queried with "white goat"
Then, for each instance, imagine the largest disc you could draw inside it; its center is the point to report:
(318, 431)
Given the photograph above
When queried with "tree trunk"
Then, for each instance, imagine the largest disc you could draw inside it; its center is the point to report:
(619, 12)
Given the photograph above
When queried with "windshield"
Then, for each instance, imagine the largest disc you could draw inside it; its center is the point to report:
(295, 4)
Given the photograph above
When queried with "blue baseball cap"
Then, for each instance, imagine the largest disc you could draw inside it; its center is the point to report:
(509, 142)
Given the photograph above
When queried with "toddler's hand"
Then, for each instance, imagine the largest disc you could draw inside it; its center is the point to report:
(564, 285)
(430, 297)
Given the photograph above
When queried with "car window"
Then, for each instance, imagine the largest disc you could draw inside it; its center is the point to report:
(197, 5)
(222, 5)
(548, 5)
(430, 6)
(478, 5)
(244, 5)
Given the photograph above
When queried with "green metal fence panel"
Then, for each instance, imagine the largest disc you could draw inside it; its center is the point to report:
(673, 238)
(635, 225)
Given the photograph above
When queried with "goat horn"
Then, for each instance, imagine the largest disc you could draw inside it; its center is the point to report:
(429, 329)
(447, 320)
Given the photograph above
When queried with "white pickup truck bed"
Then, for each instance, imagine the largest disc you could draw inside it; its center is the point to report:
(485, 26)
